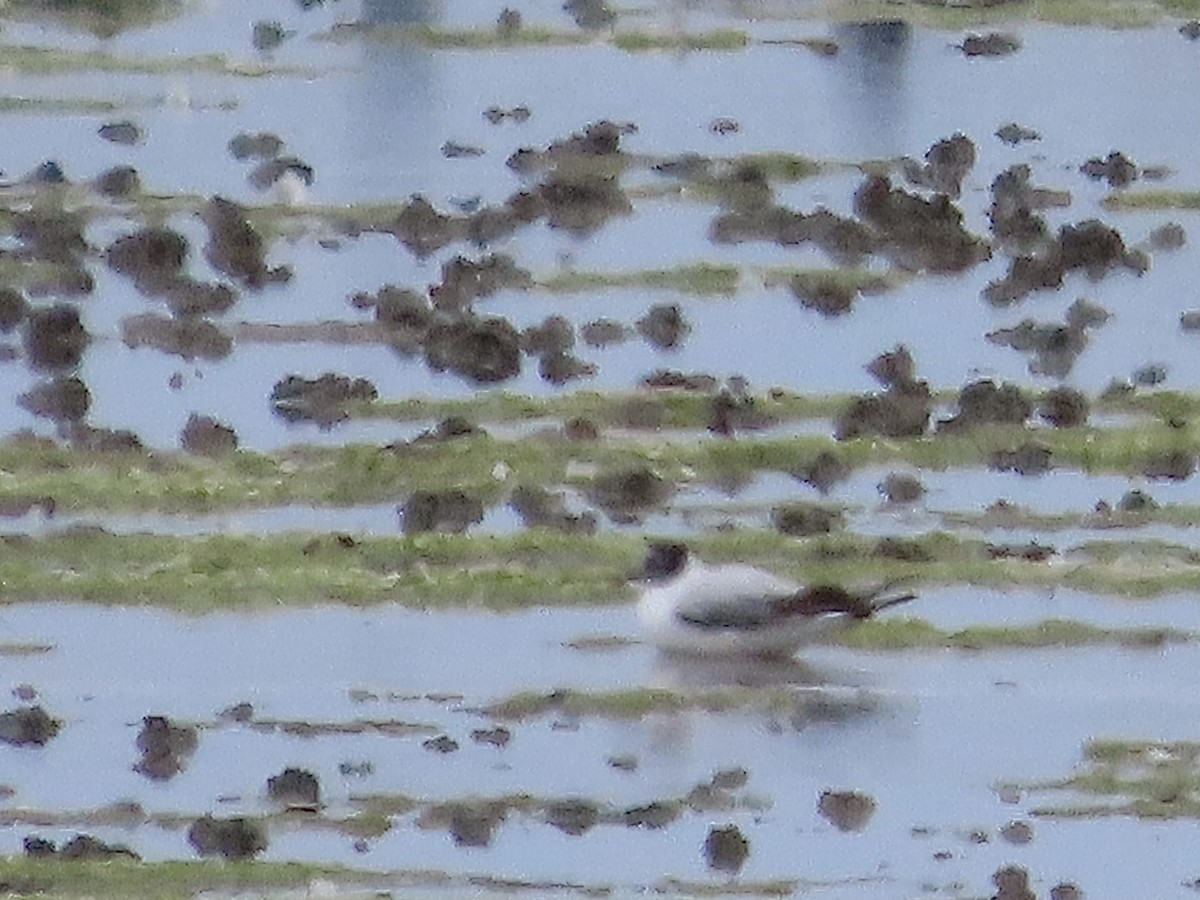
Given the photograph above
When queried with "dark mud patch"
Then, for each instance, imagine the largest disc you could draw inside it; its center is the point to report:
(28, 726)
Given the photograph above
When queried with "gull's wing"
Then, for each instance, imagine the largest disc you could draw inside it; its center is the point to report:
(824, 599)
(739, 598)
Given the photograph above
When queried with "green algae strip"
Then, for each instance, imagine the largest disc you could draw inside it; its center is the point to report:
(122, 878)
(538, 568)
(34, 60)
(637, 703)
(1139, 778)
(487, 467)
(68, 105)
(1153, 198)
(700, 279)
(1104, 13)
(491, 37)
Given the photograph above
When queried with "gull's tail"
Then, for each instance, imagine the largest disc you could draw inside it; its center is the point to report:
(874, 602)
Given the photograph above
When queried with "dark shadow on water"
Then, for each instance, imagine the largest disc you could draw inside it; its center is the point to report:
(400, 12)
(394, 100)
(871, 79)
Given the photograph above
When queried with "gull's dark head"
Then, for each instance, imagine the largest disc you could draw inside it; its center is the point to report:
(664, 559)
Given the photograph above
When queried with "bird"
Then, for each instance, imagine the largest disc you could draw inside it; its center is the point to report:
(687, 606)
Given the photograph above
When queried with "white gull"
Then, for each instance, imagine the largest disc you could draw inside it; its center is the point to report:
(690, 607)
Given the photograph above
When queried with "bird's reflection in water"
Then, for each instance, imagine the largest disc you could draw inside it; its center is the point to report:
(788, 693)
(693, 670)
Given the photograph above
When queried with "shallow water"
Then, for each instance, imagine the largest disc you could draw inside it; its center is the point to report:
(939, 731)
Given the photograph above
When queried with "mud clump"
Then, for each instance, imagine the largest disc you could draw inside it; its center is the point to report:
(1032, 552)
(54, 338)
(847, 241)
(1053, 347)
(54, 237)
(255, 145)
(465, 280)
(828, 296)
(205, 436)
(1137, 502)
(1016, 203)
(823, 472)
(1011, 133)
(539, 508)
(580, 203)
(894, 367)
(482, 350)
(28, 726)
(321, 400)
(295, 789)
(591, 15)
(625, 494)
(729, 411)
(235, 248)
(993, 43)
(148, 256)
(498, 114)
(1176, 465)
(469, 823)
(153, 258)
(574, 817)
(118, 183)
(124, 132)
(80, 847)
(1116, 168)
(1065, 890)
(899, 489)
(499, 736)
(1012, 883)
(726, 849)
(271, 171)
(188, 338)
(1150, 375)
(603, 333)
(1064, 407)
(846, 810)
(555, 334)
(13, 309)
(901, 549)
(805, 519)
(946, 164)
(450, 428)
(903, 410)
(103, 440)
(165, 748)
(236, 838)
(1090, 246)
(986, 403)
(920, 234)
(1017, 832)
(652, 816)
(1170, 236)
(560, 368)
(579, 428)
(447, 512)
(674, 380)
(664, 326)
(422, 228)
(58, 399)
